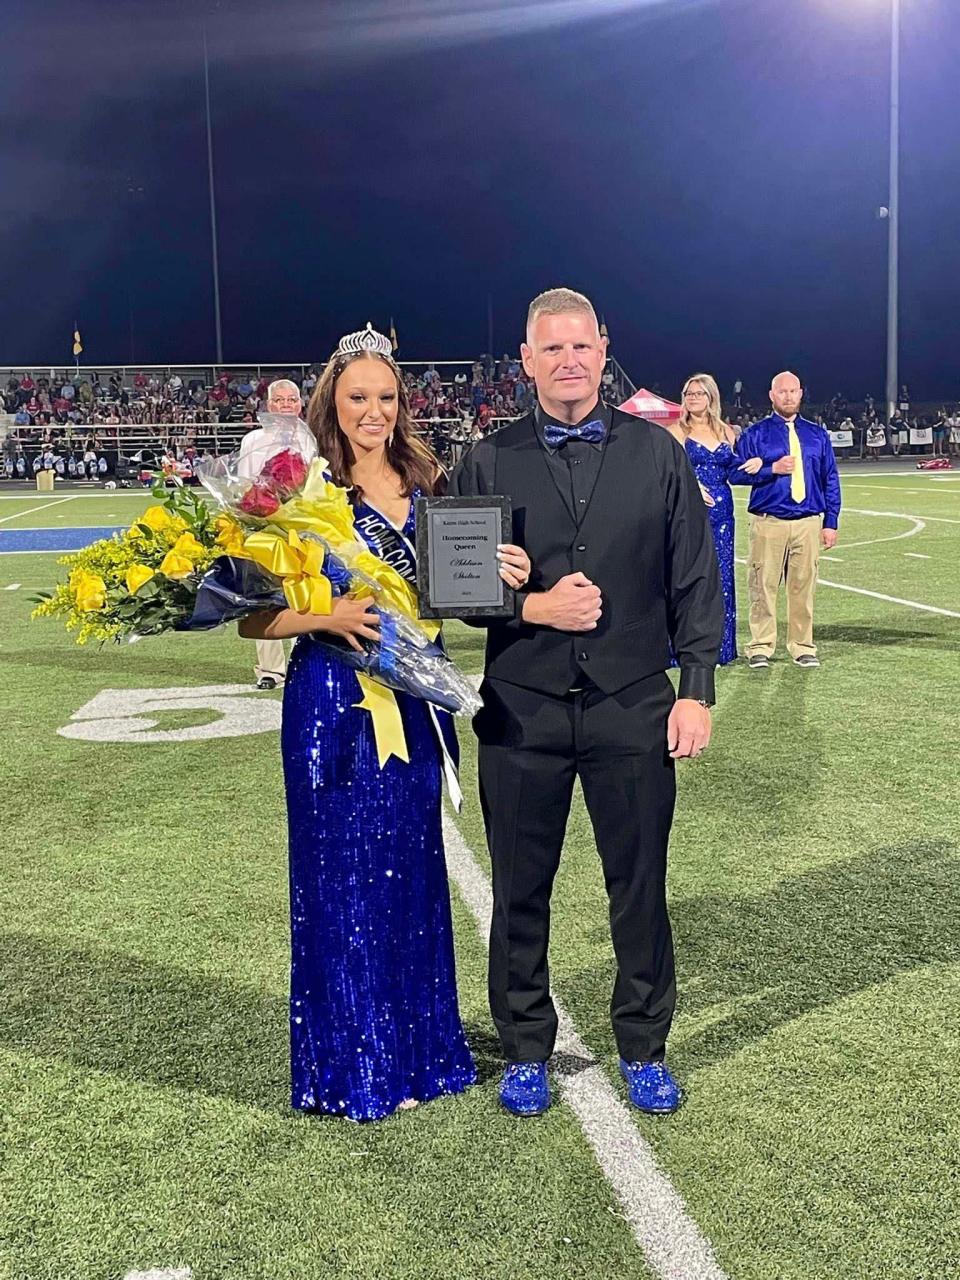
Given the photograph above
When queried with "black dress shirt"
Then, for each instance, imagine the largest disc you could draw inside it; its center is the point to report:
(576, 463)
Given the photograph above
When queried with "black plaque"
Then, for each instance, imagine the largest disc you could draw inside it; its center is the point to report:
(458, 573)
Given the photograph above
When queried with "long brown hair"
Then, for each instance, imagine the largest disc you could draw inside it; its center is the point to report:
(415, 464)
(709, 384)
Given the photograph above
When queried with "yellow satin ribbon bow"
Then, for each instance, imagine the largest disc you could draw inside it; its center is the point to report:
(384, 710)
(298, 564)
(323, 507)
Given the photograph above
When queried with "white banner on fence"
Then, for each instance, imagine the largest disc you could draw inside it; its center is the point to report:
(921, 435)
(841, 439)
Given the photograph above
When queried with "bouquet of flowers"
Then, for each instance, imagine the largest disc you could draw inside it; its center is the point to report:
(144, 580)
(284, 538)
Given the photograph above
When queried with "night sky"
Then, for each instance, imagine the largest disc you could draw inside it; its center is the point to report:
(708, 171)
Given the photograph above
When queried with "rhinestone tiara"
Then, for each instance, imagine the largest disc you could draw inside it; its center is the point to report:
(354, 344)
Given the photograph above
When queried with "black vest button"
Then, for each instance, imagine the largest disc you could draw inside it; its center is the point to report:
(583, 657)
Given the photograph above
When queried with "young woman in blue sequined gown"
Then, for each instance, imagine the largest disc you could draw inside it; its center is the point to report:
(374, 1020)
(708, 443)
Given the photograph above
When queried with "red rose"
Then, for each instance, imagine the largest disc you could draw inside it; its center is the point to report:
(258, 501)
(285, 473)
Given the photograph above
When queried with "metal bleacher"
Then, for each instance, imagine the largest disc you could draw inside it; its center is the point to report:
(203, 429)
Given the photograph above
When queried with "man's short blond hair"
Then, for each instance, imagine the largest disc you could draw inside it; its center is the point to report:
(558, 302)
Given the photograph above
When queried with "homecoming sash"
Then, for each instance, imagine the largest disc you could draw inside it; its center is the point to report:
(388, 542)
(395, 549)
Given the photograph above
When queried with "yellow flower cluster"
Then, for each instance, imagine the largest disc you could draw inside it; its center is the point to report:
(106, 575)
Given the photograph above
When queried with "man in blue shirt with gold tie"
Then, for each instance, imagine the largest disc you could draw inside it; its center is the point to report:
(794, 508)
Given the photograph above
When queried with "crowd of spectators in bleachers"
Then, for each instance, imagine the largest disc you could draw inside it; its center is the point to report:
(80, 424)
(72, 423)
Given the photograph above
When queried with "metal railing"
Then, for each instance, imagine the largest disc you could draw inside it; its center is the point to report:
(207, 375)
(120, 443)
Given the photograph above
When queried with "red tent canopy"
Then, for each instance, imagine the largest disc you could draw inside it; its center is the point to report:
(646, 405)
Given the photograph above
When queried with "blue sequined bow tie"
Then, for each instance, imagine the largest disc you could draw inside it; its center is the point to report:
(592, 432)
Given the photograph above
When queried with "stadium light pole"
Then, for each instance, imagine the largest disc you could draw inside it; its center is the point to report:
(893, 217)
(213, 203)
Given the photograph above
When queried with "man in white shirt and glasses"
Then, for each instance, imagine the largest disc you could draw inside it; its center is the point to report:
(256, 450)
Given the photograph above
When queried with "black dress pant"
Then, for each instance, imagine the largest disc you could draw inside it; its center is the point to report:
(532, 748)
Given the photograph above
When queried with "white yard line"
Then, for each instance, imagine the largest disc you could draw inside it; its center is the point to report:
(894, 488)
(877, 595)
(103, 497)
(669, 1238)
(900, 515)
(914, 555)
(14, 586)
(67, 528)
(30, 510)
(889, 488)
(64, 551)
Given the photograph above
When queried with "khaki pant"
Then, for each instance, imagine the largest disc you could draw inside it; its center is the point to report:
(271, 660)
(783, 550)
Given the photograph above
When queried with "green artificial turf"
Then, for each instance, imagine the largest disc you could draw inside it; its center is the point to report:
(814, 878)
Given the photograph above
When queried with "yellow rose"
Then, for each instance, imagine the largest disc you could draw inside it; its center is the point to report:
(159, 520)
(187, 545)
(175, 566)
(230, 536)
(90, 590)
(137, 575)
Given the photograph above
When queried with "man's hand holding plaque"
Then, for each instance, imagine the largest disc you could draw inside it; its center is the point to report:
(514, 565)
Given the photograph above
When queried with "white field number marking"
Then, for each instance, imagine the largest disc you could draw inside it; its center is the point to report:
(161, 1273)
(30, 510)
(131, 715)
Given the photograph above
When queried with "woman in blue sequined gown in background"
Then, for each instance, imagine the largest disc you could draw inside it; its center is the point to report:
(374, 1020)
(708, 443)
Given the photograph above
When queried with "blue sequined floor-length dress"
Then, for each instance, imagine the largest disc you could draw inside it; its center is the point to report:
(374, 1019)
(712, 466)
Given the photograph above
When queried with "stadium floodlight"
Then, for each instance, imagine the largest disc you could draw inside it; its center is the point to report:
(214, 252)
(890, 213)
(893, 216)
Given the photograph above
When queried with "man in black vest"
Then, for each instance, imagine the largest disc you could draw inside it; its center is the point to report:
(624, 572)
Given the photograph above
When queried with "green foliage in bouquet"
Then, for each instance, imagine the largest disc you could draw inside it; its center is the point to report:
(143, 580)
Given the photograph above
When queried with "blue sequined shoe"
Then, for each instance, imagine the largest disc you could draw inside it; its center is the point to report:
(525, 1088)
(652, 1087)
